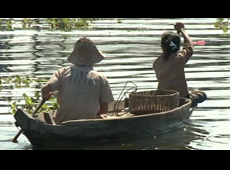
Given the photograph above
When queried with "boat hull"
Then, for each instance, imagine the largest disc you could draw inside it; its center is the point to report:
(79, 133)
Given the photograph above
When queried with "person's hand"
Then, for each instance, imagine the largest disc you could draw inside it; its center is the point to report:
(47, 96)
(179, 26)
(46, 92)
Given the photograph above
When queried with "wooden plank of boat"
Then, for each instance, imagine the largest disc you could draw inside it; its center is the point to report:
(77, 133)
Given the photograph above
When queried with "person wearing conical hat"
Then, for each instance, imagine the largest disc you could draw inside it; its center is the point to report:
(83, 93)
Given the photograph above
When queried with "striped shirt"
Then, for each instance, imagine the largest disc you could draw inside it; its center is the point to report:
(81, 90)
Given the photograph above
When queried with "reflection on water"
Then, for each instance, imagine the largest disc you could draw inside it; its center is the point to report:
(130, 47)
(176, 140)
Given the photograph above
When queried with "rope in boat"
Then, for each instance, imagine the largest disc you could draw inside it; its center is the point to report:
(123, 94)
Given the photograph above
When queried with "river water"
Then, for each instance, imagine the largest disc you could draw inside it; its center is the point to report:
(130, 47)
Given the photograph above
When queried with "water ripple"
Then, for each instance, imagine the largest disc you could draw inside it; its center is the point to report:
(131, 47)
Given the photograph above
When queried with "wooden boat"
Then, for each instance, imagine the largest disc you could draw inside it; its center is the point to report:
(78, 133)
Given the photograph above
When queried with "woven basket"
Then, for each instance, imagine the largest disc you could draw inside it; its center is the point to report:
(153, 101)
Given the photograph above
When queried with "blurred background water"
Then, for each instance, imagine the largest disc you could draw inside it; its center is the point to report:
(131, 47)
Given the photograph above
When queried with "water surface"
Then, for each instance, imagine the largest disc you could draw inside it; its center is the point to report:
(130, 47)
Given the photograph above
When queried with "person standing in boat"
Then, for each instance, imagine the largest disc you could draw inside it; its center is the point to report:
(83, 93)
(169, 67)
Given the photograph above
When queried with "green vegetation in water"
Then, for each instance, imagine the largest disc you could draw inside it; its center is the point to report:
(65, 24)
(119, 21)
(27, 22)
(6, 24)
(29, 103)
(68, 23)
(223, 24)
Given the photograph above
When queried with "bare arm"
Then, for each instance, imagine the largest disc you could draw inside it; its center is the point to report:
(181, 29)
(187, 39)
(187, 51)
